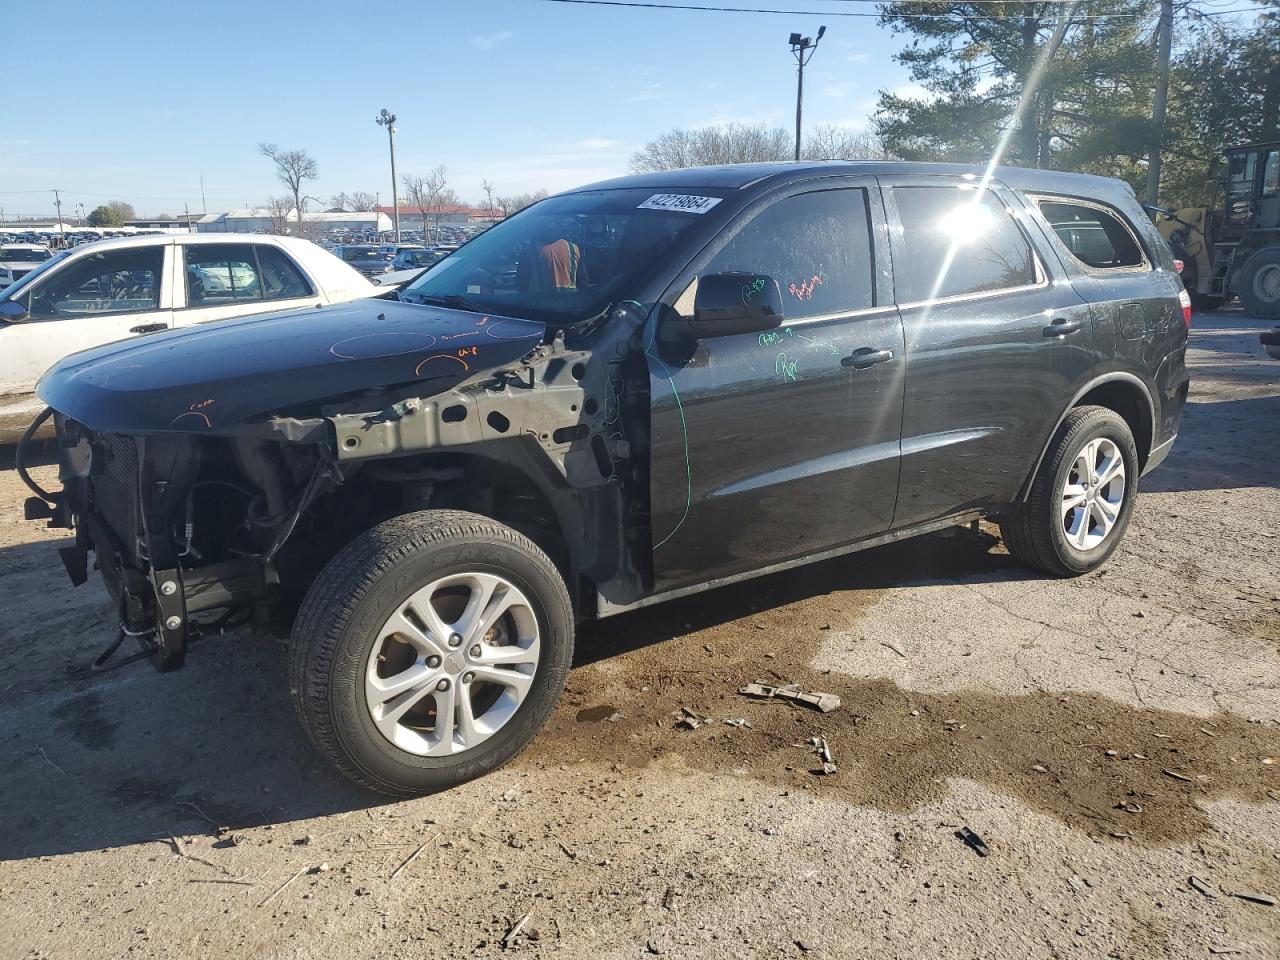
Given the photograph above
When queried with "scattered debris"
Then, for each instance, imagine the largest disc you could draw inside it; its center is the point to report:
(571, 854)
(280, 889)
(1129, 806)
(826, 702)
(1271, 761)
(803, 946)
(1177, 776)
(412, 857)
(320, 868)
(738, 722)
(973, 841)
(1261, 899)
(1219, 951)
(688, 720)
(1039, 768)
(1199, 886)
(894, 648)
(516, 929)
(243, 883)
(823, 749)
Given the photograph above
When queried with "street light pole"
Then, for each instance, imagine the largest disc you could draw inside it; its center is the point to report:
(803, 48)
(387, 119)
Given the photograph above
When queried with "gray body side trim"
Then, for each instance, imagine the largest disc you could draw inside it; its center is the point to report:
(1157, 455)
(1096, 382)
(606, 609)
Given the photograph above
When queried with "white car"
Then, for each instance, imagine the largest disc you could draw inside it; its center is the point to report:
(19, 259)
(114, 289)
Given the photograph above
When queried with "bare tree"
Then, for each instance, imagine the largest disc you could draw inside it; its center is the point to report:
(514, 204)
(278, 208)
(487, 187)
(748, 143)
(340, 202)
(830, 142)
(730, 143)
(427, 194)
(362, 201)
(293, 167)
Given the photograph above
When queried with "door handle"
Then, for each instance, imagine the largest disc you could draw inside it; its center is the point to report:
(149, 328)
(1063, 328)
(865, 357)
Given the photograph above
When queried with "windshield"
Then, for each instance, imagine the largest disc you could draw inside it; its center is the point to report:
(564, 259)
(23, 255)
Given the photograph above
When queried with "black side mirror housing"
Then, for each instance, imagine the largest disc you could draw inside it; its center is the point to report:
(11, 311)
(731, 303)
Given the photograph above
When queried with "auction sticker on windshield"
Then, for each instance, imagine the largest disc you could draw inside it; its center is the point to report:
(679, 201)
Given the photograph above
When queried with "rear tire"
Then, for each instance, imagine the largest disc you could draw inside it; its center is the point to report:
(430, 651)
(1074, 518)
(1259, 288)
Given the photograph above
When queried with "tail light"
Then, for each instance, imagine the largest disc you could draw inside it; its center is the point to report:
(1184, 298)
(1178, 265)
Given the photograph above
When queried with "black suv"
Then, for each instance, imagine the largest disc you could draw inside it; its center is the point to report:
(623, 394)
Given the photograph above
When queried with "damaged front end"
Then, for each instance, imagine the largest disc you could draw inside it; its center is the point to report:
(213, 472)
(137, 503)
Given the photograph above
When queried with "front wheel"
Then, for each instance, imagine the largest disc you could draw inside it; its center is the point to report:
(1260, 284)
(430, 650)
(1081, 496)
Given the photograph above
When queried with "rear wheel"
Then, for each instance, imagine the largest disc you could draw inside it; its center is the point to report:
(1259, 289)
(430, 651)
(1081, 497)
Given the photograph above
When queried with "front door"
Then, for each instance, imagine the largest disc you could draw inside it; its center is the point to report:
(768, 447)
(91, 300)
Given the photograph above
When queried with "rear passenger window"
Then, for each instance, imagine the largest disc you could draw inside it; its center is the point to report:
(1096, 238)
(957, 241)
(226, 273)
(816, 245)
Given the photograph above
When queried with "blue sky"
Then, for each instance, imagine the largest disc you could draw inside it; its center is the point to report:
(134, 100)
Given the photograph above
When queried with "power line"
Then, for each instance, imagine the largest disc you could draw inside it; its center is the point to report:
(814, 13)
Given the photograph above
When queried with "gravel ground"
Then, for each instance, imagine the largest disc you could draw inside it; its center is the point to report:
(1106, 737)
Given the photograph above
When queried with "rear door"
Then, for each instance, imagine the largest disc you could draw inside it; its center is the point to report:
(87, 301)
(997, 342)
(768, 447)
(1132, 293)
(218, 281)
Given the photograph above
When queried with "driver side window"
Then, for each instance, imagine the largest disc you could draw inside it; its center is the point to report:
(113, 281)
(816, 245)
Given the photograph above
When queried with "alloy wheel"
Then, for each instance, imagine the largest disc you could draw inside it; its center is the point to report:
(452, 665)
(1093, 494)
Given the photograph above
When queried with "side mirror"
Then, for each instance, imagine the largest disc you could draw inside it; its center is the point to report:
(733, 303)
(11, 311)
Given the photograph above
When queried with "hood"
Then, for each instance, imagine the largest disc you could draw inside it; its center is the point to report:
(218, 374)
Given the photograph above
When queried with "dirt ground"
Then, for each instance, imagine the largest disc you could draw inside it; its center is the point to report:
(1114, 740)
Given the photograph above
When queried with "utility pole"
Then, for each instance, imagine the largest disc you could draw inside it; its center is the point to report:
(388, 120)
(187, 208)
(803, 48)
(203, 203)
(62, 228)
(1164, 42)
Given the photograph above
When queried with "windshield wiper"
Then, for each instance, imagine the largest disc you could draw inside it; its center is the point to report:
(457, 301)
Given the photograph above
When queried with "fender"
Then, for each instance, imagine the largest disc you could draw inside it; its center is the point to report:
(1116, 376)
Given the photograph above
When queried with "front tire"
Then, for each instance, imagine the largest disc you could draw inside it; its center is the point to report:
(1259, 289)
(430, 651)
(1081, 497)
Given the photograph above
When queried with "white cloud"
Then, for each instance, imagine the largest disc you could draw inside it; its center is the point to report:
(645, 94)
(488, 42)
(596, 143)
(858, 57)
